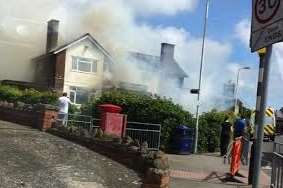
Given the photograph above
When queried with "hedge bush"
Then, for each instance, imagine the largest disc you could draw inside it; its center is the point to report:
(28, 96)
(146, 109)
(209, 130)
(154, 109)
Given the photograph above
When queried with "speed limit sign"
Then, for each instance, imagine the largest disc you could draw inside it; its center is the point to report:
(267, 23)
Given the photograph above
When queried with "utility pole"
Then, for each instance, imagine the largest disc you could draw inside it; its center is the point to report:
(200, 76)
(260, 112)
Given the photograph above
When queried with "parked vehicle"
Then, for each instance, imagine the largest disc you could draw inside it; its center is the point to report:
(270, 123)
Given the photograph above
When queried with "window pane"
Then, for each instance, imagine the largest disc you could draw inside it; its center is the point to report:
(84, 66)
(94, 66)
(72, 96)
(74, 63)
(81, 97)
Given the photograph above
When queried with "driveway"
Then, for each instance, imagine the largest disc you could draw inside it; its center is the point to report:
(34, 159)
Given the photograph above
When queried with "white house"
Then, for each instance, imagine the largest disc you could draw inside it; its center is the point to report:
(76, 67)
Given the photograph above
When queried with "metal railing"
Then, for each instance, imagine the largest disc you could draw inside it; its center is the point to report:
(142, 132)
(145, 132)
(277, 166)
(83, 121)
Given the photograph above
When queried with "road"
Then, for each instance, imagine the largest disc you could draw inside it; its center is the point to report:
(34, 159)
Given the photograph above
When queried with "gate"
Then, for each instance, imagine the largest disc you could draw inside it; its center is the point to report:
(277, 166)
(148, 132)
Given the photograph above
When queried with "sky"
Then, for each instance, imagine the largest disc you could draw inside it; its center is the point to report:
(229, 22)
(121, 25)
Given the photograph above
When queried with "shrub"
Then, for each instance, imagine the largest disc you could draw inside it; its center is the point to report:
(28, 96)
(49, 98)
(10, 94)
(154, 109)
(31, 96)
(143, 108)
(73, 109)
(209, 130)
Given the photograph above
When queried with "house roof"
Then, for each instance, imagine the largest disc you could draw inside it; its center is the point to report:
(154, 63)
(79, 39)
(73, 42)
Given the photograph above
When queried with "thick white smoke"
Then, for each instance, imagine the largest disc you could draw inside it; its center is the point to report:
(113, 24)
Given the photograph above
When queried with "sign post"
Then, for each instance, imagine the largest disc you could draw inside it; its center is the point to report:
(260, 112)
(267, 29)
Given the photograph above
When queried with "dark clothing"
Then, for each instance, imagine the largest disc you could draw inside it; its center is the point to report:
(240, 126)
(225, 137)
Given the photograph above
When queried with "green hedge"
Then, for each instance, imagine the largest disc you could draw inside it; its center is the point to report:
(28, 96)
(142, 108)
(209, 130)
(154, 109)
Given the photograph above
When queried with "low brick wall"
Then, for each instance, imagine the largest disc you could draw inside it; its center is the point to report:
(41, 117)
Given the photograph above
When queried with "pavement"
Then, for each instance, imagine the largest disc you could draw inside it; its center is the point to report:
(207, 170)
(33, 159)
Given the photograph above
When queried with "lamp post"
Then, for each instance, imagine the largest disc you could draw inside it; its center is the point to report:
(200, 75)
(236, 88)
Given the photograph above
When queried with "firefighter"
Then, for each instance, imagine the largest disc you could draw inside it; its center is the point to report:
(225, 135)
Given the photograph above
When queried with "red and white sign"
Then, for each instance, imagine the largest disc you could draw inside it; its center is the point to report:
(267, 23)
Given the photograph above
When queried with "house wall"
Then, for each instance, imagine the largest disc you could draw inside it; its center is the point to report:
(92, 81)
(60, 71)
(44, 71)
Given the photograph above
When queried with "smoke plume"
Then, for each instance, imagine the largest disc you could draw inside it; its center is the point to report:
(113, 23)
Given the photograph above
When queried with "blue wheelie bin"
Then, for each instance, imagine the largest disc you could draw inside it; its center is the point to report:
(183, 139)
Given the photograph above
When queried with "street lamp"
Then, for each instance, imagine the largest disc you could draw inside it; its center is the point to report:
(200, 75)
(237, 85)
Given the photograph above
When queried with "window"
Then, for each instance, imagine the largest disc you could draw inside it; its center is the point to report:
(73, 96)
(84, 64)
(79, 95)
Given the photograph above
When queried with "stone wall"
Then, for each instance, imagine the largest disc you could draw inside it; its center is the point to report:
(41, 117)
(152, 165)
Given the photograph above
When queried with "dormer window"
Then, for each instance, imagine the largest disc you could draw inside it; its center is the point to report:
(81, 64)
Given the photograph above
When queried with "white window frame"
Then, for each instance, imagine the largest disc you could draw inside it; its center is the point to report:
(84, 60)
(75, 95)
(74, 91)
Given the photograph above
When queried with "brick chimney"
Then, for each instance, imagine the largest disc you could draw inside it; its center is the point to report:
(52, 35)
(167, 52)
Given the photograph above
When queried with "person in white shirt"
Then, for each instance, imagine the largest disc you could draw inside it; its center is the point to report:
(63, 104)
